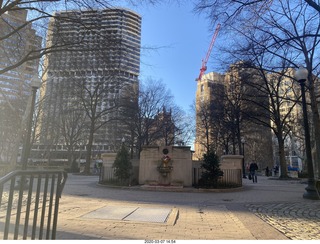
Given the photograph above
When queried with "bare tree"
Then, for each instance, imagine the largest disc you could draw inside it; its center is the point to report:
(231, 10)
(287, 30)
(166, 126)
(73, 130)
(204, 126)
(213, 116)
(313, 4)
(235, 105)
(153, 97)
(39, 13)
(153, 118)
(185, 127)
(273, 96)
(9, 134)
(99, 111)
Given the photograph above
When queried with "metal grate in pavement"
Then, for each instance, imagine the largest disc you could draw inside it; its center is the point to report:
(155, 215)
(110, 212)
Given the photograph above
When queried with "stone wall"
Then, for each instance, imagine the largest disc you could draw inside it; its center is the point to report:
(108, 171)
(150, 160)
(231, 162)
(185, 172)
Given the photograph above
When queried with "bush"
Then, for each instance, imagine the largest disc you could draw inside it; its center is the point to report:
(122, 165)
(212, 173)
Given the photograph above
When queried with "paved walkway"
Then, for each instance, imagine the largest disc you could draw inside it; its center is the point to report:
(268, 210)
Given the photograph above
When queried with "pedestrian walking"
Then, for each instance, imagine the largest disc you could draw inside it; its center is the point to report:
(276, 169)
(253, 168)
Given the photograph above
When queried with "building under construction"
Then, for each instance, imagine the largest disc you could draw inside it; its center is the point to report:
(98, 60)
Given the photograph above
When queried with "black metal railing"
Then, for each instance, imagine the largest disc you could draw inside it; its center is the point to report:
(29, 203)
(5, 169)
(231, 177)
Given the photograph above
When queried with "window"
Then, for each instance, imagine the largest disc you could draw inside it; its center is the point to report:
(202, 88)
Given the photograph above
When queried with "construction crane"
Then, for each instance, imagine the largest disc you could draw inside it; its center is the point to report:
(204, 61)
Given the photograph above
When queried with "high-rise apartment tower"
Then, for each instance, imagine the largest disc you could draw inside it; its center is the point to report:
(98, 57)
(19, 43)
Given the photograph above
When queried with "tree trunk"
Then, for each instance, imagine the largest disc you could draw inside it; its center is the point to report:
(316, 124)
(89, 149)
(72, 161)
(283, 163)
(69, 157)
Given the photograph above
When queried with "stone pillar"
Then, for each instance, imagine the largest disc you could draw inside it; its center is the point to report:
(108, 160)
(231, 162)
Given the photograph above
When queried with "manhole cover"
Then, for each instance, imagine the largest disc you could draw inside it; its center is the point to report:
(156, 215)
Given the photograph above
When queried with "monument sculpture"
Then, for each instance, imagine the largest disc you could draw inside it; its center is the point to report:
(165, 167)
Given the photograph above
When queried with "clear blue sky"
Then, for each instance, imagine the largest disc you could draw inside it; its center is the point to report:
(183, 38)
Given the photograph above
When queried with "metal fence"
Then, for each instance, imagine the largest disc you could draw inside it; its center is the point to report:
(230, 178)
(106, 174)
(29, 203)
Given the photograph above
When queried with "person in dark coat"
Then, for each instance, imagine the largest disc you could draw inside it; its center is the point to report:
(253, 168)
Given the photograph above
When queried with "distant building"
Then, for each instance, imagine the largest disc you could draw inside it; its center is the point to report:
(220, 122)
(100, 53)
(253, 138)
(163, 129)
(13, 49)
(15, 87)
(210, 90)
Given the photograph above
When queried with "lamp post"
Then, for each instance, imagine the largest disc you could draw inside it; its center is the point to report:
(301, 76)
(35, 84)
(243, 168)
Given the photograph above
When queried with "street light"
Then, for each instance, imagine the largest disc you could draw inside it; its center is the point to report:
(35, 84)
(301, 76)
(243, 168)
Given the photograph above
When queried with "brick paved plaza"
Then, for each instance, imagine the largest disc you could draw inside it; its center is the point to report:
(269, 210)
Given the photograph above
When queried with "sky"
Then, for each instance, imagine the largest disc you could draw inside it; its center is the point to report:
(182, 38)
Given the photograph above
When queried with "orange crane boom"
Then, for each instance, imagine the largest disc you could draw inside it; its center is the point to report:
(204, 61)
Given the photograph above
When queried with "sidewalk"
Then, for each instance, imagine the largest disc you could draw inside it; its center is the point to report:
(268, 210)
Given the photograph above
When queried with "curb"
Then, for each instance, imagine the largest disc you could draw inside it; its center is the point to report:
(172, 188)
